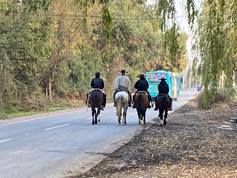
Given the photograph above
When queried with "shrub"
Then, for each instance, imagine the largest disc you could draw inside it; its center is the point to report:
(219, 97)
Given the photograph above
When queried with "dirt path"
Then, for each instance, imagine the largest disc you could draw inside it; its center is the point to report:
(194, 143)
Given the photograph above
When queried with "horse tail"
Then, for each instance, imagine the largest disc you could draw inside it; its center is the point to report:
(162, 104)
(97, 101)
(118, 106)
(140, 105)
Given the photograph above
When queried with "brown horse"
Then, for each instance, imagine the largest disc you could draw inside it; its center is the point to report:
(162, 103)
(96, 101)
(141, 103)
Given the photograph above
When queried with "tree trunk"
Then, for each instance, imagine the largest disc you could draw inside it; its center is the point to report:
(50, 87)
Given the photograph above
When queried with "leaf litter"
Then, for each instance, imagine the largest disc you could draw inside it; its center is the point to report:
(190, 145)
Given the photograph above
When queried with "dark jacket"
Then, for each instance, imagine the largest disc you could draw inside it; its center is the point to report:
(141, 85)
(97, 82)
(163, 87)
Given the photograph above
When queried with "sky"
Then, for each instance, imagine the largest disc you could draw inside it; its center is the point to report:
(182, 20)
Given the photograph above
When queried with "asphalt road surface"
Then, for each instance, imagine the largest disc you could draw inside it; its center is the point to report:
(65, 143)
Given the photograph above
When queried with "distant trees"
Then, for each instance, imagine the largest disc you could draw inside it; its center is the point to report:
(51, 48)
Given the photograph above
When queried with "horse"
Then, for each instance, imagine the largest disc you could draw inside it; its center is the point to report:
(122, 103)
(141, 103)
(96, 101)
(162, 103)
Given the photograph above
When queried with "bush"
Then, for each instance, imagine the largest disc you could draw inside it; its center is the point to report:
(219, 97)
(2, 114)
(36, 102)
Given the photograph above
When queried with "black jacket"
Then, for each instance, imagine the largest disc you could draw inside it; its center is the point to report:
(163, 87)
(141, 85)
(97, 82)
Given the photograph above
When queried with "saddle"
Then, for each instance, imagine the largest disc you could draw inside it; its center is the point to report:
(162, 94)
(141, 92)
(97, 89)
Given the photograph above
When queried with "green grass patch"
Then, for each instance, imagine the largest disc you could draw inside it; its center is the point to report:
(13, 112)
(58, 108)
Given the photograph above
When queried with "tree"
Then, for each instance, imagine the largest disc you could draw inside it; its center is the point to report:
(23, 49)
(216, 52)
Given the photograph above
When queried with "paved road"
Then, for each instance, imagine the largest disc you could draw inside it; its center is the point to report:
(64, 143)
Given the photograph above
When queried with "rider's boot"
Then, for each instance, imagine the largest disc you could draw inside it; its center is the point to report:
(133, 106)
(130, 100)
(114, 100)
(104, 101)
(87, 100)
(149, 98)
(155, 104)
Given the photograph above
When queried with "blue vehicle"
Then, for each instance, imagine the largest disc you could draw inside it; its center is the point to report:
(172, 79)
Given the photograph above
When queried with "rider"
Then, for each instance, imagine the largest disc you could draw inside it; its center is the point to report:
(163, 88)
(142, 85)
(97, 83)
(122, 83)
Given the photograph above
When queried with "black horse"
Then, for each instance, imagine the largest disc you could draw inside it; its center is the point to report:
(141, 103)
(162, 103)
(96, 101)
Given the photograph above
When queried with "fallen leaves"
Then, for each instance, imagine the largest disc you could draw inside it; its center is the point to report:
(190, 145)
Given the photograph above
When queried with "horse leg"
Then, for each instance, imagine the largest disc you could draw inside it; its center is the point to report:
(119, 119)
(139, 118)
(119, 116)
(166, 114)
(138, 115)
(144, 117)
(93, 115)
(161, 119)
(98, 115)
(124, 116)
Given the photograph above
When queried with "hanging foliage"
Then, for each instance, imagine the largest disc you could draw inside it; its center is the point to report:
(217, 47)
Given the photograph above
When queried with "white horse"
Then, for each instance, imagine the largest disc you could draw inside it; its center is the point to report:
(122, 102)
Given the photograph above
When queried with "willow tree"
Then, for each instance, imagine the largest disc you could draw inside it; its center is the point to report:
(217, 46)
